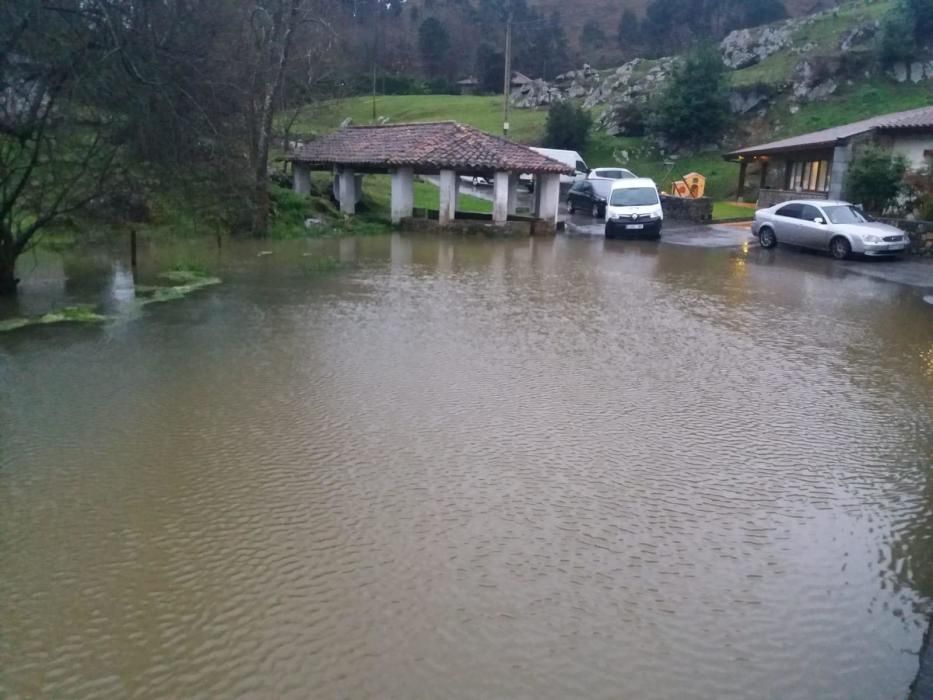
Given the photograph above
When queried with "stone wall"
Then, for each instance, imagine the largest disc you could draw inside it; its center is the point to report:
(920, 232)
(768, 197)
(477, 225)
(699, 210)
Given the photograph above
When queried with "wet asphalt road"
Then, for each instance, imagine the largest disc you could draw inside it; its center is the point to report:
(906, 271)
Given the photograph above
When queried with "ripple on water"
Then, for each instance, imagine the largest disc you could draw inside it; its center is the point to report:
(483, 470)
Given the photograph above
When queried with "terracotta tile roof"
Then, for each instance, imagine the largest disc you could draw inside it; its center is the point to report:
(429, 145)
(921, 118)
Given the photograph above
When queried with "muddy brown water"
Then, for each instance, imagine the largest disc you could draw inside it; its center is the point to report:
(404, 467)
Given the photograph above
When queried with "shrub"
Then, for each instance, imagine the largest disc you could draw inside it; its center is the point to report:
(568, 126)
(876, 179)
(694, 108)
(897, 35)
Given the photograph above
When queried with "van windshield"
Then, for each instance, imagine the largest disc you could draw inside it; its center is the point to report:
(634, 197)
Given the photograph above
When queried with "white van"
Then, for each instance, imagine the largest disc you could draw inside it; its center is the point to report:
(634, 209)
(570, 158)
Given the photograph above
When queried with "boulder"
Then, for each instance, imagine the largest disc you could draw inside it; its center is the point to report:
(746, 47)
(860, 36)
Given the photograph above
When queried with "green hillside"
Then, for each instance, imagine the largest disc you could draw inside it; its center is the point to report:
(483, 112)
(859, 97)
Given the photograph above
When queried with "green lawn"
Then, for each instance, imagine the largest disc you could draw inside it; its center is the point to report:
(527, 125)
(378, 188)
(732, 210)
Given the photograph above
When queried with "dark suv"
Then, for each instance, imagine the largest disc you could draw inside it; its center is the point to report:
(589, 196)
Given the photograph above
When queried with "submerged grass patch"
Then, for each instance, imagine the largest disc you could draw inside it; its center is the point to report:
(81, 313)
(323, 264)
(187, 280)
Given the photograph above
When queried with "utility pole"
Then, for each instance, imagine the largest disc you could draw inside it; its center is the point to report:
(508, 73)
(375, 44)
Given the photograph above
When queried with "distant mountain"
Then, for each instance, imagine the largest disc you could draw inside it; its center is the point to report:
(452, 39)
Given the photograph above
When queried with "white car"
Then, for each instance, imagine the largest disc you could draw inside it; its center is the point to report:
(838, 227)
(610, 174)
(634, 209)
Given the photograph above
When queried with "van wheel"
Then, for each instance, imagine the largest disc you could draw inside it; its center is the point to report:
(840, 248)
(766, 237)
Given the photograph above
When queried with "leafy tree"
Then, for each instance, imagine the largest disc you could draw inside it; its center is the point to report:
(592, 35)
(922, 11)
(629, 32)
(694, 107)
(490, 68)
(876, 179)
(434, 44)
(568, 126)
(898, 33)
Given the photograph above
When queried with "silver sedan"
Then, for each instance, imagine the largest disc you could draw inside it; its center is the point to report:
(837, 227)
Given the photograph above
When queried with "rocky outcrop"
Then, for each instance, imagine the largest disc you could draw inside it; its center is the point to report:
(619, 97)
(915, 72)
(536, 93)
(744, 48)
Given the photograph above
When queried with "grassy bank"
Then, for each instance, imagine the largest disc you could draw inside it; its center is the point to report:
(482, 112)
(377, 189)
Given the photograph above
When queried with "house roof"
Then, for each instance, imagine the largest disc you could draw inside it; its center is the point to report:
(468, 81)
(913, 119)
(430, 145)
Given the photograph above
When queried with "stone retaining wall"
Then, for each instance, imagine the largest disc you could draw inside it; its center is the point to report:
(478, 225)
(699, 210)
(920, 232)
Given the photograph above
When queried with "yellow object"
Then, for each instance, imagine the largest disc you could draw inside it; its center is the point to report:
(692, 185)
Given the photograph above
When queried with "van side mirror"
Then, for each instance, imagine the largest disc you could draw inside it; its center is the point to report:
(819, 220)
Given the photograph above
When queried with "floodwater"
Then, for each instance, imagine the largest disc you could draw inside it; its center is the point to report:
(402, 467)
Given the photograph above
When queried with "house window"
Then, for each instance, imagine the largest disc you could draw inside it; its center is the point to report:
(809, 175)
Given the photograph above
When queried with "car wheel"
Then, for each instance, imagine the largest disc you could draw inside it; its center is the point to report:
(766, 237)
(840, 248)
(610, 232)
(570, 207)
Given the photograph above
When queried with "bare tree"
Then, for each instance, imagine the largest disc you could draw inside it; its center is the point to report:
(287, 38)
(55, 154)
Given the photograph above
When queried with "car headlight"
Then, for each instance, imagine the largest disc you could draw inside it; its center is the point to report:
(871, 239)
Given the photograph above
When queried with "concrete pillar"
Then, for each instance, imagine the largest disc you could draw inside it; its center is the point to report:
(403, 194)
(500, 198)
(743, 171)
(347, 191)
(842, 157)
(301, 178)
(513, 193)
(448, 205)
(547, 197)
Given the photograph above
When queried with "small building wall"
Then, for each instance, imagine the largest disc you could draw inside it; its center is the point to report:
(911, 146)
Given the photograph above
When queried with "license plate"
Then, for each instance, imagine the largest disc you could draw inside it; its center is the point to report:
(637, 227)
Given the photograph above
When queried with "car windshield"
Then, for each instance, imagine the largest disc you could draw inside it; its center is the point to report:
(601, 187)
(844, 215)
(634, 197)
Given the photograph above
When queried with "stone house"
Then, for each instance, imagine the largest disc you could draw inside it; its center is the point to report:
(814, 165)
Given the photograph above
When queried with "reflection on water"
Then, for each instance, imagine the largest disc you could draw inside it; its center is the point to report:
(459, 468)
